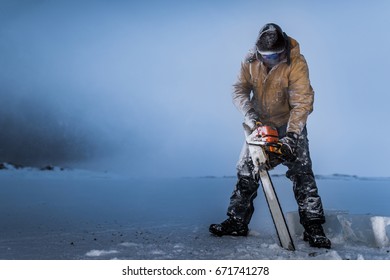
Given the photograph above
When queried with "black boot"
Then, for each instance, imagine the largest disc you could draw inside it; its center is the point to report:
(230, 226)
(314, 233)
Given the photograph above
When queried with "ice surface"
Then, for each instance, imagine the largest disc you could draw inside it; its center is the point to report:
(75, 214)
(381, 229)
(99, 253)
(342, 227)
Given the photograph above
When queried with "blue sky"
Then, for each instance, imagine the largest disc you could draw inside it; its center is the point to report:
(145, 86)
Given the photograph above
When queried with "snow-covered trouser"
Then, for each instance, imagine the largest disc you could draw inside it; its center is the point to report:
(299, 172)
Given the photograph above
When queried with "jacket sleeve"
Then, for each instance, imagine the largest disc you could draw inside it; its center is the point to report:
(301, 96)
(242, 89)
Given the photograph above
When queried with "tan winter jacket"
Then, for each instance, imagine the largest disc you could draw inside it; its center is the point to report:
(283, 96)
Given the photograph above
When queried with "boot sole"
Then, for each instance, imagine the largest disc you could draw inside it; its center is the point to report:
(233, 233)
(219, 234)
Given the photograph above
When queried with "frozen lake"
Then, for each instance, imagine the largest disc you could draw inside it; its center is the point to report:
(85, 215)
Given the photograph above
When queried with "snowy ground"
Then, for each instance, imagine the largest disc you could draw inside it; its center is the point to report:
(84, 215)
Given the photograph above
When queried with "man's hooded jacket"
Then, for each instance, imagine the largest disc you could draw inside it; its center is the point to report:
(282, 96)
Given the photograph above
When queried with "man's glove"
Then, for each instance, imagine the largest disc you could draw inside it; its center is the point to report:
(288, 146)
(251, 119)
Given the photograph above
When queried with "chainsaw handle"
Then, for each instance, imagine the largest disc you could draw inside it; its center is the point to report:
(247, 130)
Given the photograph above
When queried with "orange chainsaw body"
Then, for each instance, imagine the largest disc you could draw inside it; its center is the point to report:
(269, 135)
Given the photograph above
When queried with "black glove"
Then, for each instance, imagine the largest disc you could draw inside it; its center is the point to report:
(289, 145)
(251, 119)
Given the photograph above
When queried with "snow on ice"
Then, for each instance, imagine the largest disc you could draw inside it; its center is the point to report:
(75, 214)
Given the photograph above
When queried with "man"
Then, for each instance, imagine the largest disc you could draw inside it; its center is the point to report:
(273, 88)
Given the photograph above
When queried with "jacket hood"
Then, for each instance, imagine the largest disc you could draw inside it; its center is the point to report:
(294, 47)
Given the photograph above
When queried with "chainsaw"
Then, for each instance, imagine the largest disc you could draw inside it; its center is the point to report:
(267, 138)
(263, 144)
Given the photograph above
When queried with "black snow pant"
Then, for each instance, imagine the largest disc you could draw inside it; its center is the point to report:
(299, 172)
